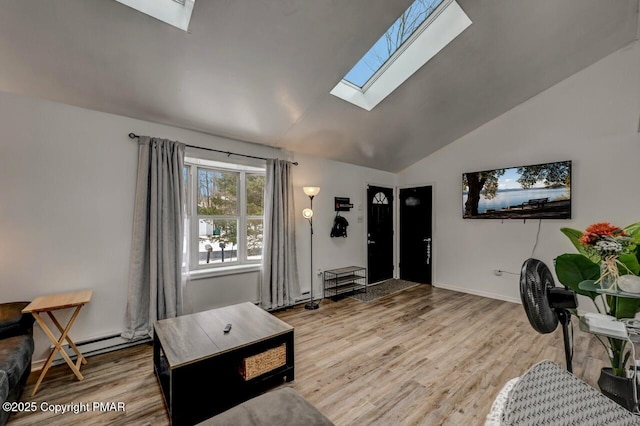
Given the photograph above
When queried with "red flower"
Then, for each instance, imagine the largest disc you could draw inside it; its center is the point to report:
(599, 230)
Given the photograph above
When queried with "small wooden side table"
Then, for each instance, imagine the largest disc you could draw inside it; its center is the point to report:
(52, 303)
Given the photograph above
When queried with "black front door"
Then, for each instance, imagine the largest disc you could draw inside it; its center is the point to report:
(379, 233)
(416, 245)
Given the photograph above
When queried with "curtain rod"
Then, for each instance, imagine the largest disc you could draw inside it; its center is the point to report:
(134, 136)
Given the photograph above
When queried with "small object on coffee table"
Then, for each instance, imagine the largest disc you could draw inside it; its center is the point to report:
(227, 328)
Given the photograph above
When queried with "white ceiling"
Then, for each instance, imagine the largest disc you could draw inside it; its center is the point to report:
(261, 70)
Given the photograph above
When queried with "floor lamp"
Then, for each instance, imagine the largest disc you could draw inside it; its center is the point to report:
(311, 191)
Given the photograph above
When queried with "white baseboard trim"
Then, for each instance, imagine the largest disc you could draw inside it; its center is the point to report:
(479, 293)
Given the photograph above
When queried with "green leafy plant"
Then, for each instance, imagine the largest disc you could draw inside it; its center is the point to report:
(605, 253)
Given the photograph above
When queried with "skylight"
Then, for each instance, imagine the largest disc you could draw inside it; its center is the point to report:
(390, 42)
(423, 30)
(172, 12)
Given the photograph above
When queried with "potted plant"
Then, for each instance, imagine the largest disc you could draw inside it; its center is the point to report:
(607, 264)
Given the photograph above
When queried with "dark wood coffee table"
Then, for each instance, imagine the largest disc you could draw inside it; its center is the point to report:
(198, 366)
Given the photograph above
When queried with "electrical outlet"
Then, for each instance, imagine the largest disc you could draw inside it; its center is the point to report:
(497, 272)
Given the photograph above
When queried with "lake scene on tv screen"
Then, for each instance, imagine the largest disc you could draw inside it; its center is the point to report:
(525, 192)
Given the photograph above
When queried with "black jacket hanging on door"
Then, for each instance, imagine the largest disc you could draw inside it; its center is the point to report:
(339, 227)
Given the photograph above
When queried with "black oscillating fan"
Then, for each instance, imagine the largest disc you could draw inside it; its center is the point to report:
(546, 304)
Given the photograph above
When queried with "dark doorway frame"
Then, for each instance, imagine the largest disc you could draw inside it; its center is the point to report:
(381, 267)
(426, 241)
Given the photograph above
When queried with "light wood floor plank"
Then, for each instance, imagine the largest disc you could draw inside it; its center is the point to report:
(421, 356)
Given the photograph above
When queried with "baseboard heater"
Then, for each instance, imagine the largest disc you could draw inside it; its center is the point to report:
(304, 297)
(99, 346)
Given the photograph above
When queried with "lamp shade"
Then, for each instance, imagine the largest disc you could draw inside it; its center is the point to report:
(307, 213)
(311, 190)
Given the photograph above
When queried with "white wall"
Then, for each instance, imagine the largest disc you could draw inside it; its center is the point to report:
(67, 189)
(590, 118)
(335, 179)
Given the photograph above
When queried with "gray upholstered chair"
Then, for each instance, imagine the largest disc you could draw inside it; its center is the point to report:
(282, 407)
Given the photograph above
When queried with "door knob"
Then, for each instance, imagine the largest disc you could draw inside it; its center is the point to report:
(370, 242)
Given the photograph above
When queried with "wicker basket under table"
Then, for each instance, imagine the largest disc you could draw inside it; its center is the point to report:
(256, 365)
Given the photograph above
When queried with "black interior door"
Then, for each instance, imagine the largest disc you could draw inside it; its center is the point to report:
(379, 233)
(416, 244)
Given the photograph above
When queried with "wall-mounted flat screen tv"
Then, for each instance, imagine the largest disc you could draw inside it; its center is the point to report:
(540, 191)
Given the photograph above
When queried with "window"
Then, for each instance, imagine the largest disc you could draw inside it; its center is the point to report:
(226, 202)
(423, 30)
(380, 198)
(390, 42)
(172, 12)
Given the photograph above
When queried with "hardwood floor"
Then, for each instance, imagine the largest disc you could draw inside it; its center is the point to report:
(421, 356)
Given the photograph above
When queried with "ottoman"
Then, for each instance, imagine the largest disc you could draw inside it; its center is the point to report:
(282, 407)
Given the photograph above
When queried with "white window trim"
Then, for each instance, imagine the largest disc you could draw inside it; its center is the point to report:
(177, 14)
(199, 274)
(242, 265)
(434, 34)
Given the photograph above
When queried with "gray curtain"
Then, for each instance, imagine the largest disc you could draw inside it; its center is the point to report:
(279, 284)
(155, 272)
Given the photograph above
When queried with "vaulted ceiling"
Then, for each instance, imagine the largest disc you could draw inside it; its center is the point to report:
(261, 70)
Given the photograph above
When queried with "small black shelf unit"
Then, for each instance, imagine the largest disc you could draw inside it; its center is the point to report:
(349, 279)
